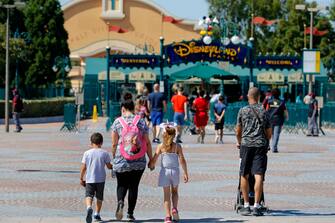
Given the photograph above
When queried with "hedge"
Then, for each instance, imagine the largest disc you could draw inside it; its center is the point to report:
(40, 108)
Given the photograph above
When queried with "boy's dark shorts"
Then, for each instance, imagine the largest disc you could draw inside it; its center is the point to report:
(253, 160)
(219, 125)
(95, 189)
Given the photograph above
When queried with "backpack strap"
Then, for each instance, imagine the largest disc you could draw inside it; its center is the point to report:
(122, 122)
(136, 120)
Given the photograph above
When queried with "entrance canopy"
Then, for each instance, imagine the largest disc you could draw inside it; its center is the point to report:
(203, 71)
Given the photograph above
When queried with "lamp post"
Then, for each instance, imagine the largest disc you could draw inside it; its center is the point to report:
(62, 64)
(18, 4)
(302, 7)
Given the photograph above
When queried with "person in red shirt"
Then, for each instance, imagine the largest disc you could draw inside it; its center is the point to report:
(201, 107)
(179, 104)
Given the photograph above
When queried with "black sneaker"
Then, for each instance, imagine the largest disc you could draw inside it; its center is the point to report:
(130, 218)
(119, 211)
(257, 212)
(97, 217)
(89, 215)
(245, 211)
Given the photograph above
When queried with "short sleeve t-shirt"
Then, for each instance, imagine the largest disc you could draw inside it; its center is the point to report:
(276, 109)
(156, 101)
(96, 160)
(253, 131)
(120, 164)
(178, 103)
(219, 108)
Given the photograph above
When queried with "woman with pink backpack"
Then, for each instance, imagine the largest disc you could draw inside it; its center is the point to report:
(130, 143)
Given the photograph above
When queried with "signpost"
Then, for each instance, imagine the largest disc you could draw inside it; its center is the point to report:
(311, 65)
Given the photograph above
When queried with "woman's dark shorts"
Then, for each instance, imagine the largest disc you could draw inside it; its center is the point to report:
(95, 189)
(253, 160)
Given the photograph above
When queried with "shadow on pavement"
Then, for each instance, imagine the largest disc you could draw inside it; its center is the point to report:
(196, 220)
(298, 213)
(48, 171)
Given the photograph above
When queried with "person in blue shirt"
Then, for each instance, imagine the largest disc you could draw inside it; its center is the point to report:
(157, 107)
(219, 111)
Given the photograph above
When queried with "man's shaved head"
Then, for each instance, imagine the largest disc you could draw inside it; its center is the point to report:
(254, 93)
(156, 87)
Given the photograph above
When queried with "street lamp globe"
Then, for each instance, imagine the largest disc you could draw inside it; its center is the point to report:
(235, 40)
(225, 41)
(207, 40)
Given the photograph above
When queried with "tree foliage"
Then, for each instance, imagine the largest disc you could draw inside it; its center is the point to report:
(287, 35)
(45, 23)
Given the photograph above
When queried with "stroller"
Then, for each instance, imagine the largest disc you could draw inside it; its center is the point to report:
(239, 197)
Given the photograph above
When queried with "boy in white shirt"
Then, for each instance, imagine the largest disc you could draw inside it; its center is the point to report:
(93, 168)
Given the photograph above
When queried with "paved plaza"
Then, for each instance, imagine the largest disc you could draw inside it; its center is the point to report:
(39, 179)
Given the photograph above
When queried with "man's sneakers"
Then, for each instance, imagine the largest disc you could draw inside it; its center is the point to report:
(156, 140)
(89, 215)
(256, 211)
(245, 211)
(119, 211)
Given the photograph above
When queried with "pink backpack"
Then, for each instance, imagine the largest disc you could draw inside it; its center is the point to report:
(133, 144)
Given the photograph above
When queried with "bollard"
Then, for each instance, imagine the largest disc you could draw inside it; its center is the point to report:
(95, 114)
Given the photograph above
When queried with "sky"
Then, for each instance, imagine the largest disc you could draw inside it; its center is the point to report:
(182, 8)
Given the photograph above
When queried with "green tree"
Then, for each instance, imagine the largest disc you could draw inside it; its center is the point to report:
(45, 24)
(287, 36)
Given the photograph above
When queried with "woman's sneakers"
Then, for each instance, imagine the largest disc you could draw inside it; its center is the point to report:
(168, 219)
(89, 215)
(97, 218)
(119, 211)
(175, 214)
(130, 218)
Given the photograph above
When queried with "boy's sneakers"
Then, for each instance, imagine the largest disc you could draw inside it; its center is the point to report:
(97, 217)
(175, 214)
(257, 211)
(119, 211)
(245, 211)
(130, 218)
(89, 215)
(168, 220)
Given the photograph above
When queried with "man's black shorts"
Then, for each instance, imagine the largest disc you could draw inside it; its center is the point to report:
(218, 125)
(95, 189)
(253, 160)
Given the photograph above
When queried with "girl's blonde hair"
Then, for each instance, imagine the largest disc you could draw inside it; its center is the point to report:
(168, 137)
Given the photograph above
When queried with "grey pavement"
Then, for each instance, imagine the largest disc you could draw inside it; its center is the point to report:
(39, 179)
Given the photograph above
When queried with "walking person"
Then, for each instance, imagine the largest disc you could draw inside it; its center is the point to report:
(277, 113)
(313, 129)
(157, 107)
(171, 155)
(201, 107)
(179, 104)
(93, 175)
(130, 143)
(219, 112)
(253, 132)
(17, 108)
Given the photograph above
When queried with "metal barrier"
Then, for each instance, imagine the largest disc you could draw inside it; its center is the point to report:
(70, 112)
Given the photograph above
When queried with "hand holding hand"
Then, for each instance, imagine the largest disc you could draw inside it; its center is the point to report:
(185, 178)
